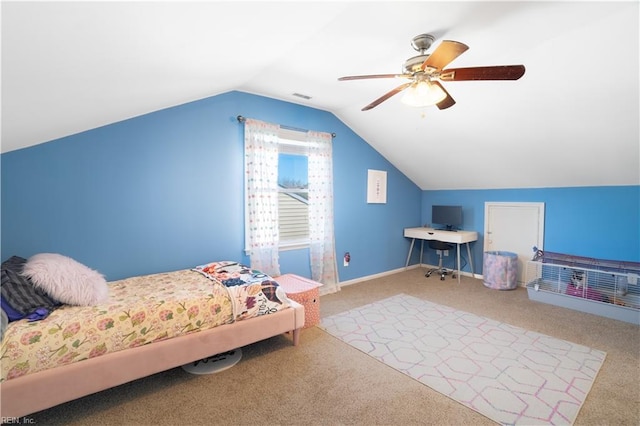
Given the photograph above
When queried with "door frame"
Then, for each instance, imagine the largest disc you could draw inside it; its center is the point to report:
(540, 206)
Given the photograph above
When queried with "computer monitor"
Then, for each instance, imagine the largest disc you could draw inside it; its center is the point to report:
(446, 217)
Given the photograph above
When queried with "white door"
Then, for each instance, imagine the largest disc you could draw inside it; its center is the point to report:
(514, 227)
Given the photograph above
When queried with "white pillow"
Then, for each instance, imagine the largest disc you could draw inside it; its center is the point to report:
(66, 280)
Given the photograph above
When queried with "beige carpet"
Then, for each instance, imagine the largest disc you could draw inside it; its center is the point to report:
(324, 381)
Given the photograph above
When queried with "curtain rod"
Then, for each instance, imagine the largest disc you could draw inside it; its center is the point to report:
(242, 119)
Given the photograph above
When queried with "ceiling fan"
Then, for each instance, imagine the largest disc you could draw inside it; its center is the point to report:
(425, 72)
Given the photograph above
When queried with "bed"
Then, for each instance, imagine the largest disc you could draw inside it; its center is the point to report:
(145, 325)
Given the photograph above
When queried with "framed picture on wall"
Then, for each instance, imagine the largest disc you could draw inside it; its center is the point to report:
(377, 187)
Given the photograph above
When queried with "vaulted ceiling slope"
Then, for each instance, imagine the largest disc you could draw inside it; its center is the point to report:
(571, 120)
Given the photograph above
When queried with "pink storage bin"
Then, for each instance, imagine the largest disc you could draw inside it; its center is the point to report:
(304, 291)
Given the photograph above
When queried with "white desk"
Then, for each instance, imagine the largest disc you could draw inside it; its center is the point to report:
(454, 237)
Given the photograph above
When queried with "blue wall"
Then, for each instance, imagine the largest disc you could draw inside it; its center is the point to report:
(597, 222)
(164, 191)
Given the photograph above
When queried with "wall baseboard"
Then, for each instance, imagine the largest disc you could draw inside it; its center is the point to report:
(395, 271)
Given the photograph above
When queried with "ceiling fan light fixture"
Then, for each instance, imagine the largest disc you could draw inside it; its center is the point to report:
(426, 71)
(423, 93)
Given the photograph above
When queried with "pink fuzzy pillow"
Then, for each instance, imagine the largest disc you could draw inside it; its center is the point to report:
(66, 280)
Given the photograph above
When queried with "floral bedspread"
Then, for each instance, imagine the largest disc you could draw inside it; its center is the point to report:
(140, 310)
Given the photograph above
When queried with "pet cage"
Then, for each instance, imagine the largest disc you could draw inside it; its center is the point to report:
(601, 287)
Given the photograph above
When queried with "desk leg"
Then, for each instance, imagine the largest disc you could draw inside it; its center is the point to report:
(458, 254)
(473, 274)
(406, 265)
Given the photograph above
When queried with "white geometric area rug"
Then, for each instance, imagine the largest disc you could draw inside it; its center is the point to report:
(508, 374)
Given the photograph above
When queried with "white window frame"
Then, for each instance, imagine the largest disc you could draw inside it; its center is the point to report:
(292, 142)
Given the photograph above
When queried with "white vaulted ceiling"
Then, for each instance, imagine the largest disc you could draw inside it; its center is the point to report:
(571, 120)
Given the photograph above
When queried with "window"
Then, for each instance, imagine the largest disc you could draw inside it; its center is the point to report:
(293, 187)
(302, 163)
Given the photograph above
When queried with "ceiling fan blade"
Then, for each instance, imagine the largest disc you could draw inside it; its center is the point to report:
(386, 96)
(498, 72)
(446, 102)
(446, 52)
(362, 77)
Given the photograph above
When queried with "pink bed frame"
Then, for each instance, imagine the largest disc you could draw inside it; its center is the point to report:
(44, 389)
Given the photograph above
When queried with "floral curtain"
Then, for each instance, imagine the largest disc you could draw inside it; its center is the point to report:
(322, 250)
(261, 183)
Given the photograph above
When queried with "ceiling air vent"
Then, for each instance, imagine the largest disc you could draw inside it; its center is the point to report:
(300, 95)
